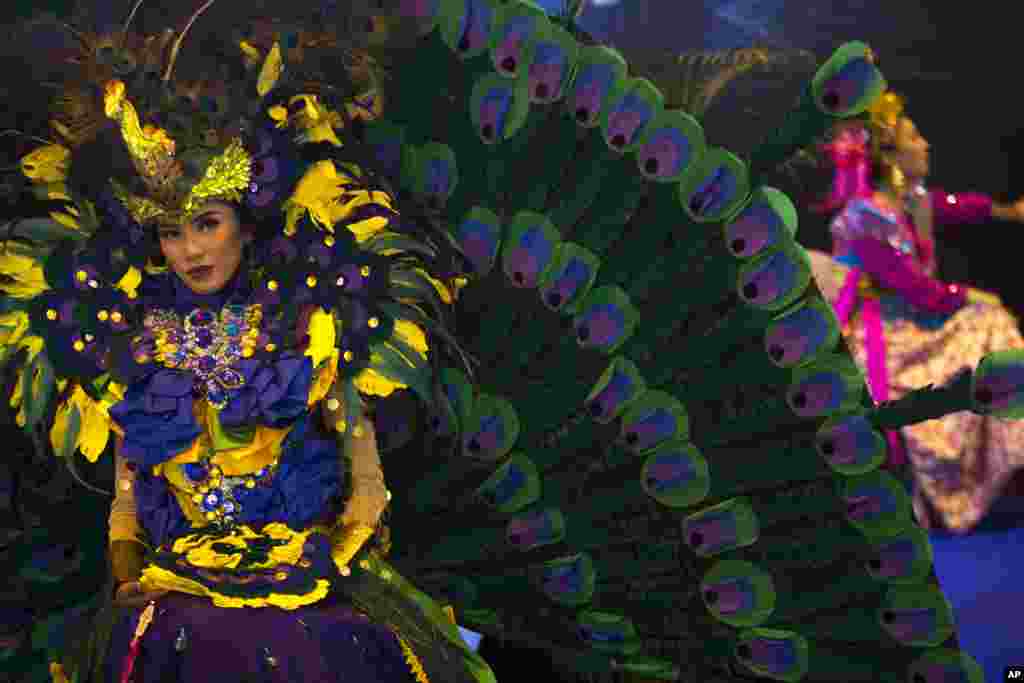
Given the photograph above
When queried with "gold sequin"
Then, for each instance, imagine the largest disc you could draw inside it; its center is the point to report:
(126, 484)
(348, 356)
(329, 241)
(272, 285)
(280, 576)
(311, 281)
(333, 404)
(365, 271)
(271, 347)
(79, 345)
(116, 316)
(345, 571)
(103, 315)
(51, 314)
(81, 276)
(374, 323)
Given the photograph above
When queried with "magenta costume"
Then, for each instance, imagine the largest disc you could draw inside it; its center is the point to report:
(908, 329)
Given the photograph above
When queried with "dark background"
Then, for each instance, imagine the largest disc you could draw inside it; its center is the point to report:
(955, 62)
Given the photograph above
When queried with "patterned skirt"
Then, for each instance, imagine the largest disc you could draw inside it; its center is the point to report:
(191, 640)
(961, 462)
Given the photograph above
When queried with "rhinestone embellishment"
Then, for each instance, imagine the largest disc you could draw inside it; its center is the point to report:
(207, 344)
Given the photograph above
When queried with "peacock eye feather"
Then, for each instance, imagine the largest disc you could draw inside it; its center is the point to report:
(717, 188)
(498, 108)
(630, 110)
(769, 220)
(848, 82)
(514, 35)
(600, 72)
(554, 59)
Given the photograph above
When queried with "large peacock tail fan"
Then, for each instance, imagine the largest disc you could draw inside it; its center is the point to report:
(663, 443)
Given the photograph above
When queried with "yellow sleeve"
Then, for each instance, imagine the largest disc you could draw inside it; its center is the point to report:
(124, 524)
(369, 494)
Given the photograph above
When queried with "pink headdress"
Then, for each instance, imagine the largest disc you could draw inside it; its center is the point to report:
(851, 160)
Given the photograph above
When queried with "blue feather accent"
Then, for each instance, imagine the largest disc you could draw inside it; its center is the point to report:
(626, 121)
(479, 236)
(548, 72)
(591, 87)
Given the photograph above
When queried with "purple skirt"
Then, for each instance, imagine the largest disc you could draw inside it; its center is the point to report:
(192, 640)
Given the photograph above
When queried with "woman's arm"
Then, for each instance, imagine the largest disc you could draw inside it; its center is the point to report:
(972, 207)
(962, 207)
(894, 271)
(369, 496)
(126, 550)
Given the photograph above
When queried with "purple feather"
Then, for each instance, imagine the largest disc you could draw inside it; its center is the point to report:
(895, 558)
(670, 470)
(729, 597)
(593, 83)
(797, 337)
(529, 258)
(626, 121)
(567, 284)
(712, 532)
(508, 51)
(755, 229)
(910, 624)
(773, 654)
(547, 72)
(848, 442)
(666, 153)
(618, 390)
(602, 326)
(817, 395)
(650, 430)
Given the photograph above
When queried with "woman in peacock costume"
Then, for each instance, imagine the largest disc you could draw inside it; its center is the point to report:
(905, 327)
(616, 419)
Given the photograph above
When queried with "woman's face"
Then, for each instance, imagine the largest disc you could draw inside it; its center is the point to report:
(206, 251)
(911, 153)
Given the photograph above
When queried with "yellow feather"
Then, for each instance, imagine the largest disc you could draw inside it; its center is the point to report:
(271, 71)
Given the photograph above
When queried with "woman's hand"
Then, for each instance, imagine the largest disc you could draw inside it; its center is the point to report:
(978, 296)
(132, 594)
(1010, 212)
